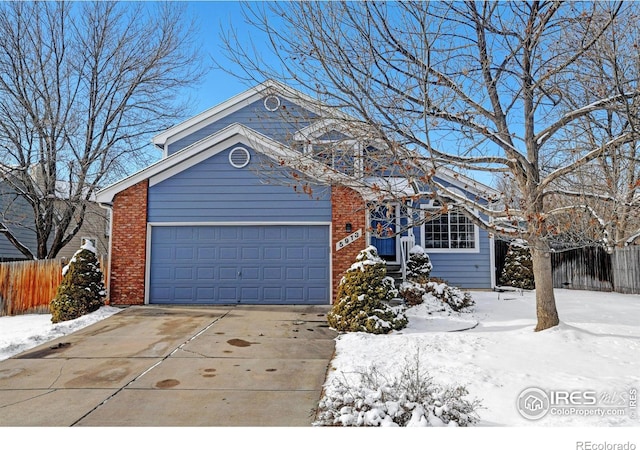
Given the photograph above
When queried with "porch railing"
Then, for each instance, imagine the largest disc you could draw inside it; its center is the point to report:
(406, 244)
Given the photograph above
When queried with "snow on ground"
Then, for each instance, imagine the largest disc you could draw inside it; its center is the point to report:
(594, 352)
(20, 333)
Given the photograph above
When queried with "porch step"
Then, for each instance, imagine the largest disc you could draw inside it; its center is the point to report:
(395, 271)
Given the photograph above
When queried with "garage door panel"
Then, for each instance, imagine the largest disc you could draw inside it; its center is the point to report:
(184, 273)
(317, 273)
(205, 293)
(228, 253)
(296, 253)
(274, 253)
(229, 233)
(185, 233)
(205, 273)
(240, 264)
(227, 294)
(294, 273)
(250, 253)
(273, 233)
(272, 273)
(206, 253)
(185, 253)
(250, 273)
(317, 253)
(228, 273)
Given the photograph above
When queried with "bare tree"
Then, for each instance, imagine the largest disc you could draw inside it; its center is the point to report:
(477, 87)
(82, 88)
(607, 188)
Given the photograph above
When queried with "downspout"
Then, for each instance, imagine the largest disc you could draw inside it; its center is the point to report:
(109, 208)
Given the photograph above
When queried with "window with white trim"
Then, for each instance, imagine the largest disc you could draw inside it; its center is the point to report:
(91, 240)
(449, 231)
(339, 156)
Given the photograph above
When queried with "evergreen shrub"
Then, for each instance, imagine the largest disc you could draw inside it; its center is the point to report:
(419, 265)
(82, 290)
(363, 296)
(518, 267)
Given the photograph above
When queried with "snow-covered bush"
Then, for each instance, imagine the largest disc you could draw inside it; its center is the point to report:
(410, 399)
(419, 265)
(82, 290)
(412, 293)
(451, 295)
(518, 267)
(363, 294)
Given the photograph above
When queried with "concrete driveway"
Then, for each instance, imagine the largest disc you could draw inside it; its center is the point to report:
(175, 366)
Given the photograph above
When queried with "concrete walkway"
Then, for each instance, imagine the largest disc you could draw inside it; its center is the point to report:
(175, 366)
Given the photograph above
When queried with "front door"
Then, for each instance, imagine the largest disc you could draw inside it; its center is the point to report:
(384, 227)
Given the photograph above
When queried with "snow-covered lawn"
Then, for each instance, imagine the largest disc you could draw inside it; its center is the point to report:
(594, 354)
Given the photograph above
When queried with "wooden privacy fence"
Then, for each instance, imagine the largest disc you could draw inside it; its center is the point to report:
(27, 287)
(596, 270)
(589, 268)
(586, 268)
(626, 270)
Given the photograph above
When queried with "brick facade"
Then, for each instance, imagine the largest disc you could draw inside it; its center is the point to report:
(347, 206)
(129, 246)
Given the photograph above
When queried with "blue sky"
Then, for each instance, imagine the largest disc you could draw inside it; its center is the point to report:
(217, 85)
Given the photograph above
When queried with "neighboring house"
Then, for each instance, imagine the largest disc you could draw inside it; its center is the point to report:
(95, 228)
(215, 222)
(17, 215)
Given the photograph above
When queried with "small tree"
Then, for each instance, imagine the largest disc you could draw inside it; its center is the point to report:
(518, 267)
(419, 265)
(362, 294)
(82, 290)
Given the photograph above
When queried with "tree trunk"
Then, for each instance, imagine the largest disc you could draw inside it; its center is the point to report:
(545, 299)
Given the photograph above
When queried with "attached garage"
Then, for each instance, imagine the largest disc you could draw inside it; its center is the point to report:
(240, 264)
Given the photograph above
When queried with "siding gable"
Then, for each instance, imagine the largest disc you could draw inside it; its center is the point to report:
(279, 125)
(215, 191)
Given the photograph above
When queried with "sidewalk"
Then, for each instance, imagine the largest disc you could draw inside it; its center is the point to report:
(175, 366)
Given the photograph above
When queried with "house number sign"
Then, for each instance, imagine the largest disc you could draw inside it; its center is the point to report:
(349, 239)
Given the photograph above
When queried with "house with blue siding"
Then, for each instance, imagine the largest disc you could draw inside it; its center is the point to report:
(249, 205)
(16, 216)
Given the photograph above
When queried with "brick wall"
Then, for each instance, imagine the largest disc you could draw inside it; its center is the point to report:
(129, 246)
(347, 206)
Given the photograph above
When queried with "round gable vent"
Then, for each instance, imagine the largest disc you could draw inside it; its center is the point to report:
(272, 103)
(239, 157)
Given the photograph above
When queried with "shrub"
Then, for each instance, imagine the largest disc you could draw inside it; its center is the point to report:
(410, 399)
(452, 296)
(518, 267)
(412, 293)
(82, 290)
(419, 265)
(363, 294)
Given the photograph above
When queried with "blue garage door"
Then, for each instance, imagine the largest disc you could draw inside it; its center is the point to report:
(274, 264)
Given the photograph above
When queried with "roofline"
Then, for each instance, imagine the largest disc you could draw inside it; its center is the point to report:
(231, 135)
(469, 184)
(219, 111)
(107, 194)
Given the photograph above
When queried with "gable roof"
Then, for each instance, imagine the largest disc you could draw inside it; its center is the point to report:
(211, 145)
(235, 103)
(241, 134)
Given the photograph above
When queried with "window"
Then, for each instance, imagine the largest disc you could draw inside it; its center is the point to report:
(336, 156)
(89, 240)
(450, 231)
